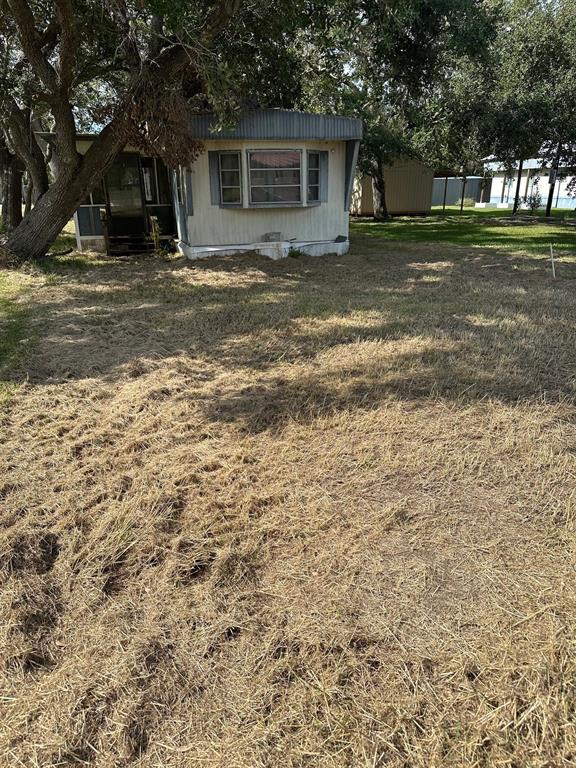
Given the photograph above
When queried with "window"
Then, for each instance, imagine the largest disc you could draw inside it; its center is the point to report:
(313, 177)
(230, 178)
(275, 176)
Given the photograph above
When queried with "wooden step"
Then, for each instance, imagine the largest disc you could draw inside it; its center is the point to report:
(126, 245)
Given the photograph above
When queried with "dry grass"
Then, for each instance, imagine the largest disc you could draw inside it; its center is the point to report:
(311, 513)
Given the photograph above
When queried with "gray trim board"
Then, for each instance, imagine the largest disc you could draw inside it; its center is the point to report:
(214, 172)
(188, 187)
(323, 188)
(179, 206)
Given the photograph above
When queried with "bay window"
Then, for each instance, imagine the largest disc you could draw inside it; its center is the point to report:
(275, 176)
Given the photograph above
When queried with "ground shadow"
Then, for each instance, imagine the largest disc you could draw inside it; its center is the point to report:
(311, 335)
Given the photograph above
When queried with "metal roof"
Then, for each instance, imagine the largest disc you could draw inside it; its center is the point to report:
(278, 124)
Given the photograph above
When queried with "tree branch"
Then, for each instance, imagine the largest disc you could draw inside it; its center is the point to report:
(219, 17)
(18, 129)
(56, 84)
(68, 44)
(32, 43)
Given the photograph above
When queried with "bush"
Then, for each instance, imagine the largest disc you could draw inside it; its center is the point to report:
(469, 202)
(533, 201)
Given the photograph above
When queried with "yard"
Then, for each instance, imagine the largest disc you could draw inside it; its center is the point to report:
(317, 512)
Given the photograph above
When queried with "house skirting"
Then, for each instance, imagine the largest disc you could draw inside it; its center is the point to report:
(275, 250)
(94, 243)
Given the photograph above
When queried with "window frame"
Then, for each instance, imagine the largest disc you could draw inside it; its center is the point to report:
(240, 186)
(276, 204)
(318, 169)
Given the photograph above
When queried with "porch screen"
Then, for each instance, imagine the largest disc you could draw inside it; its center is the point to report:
(275, 176)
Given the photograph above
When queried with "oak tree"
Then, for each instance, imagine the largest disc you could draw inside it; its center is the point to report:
(132, 71)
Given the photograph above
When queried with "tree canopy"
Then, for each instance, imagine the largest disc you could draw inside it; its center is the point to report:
(446, 81)
(132, 72)
(396, 66)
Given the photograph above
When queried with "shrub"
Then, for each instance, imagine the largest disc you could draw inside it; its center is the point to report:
(533, 201)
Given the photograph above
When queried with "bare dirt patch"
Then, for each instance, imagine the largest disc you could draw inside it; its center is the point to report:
(309, 513)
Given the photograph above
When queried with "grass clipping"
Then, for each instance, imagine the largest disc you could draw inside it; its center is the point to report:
(316, 513)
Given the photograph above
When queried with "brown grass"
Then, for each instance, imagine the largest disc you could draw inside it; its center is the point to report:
(309, 513)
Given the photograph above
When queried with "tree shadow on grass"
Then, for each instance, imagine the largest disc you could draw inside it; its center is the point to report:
(312, 335)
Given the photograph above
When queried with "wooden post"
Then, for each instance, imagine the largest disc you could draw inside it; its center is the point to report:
(104, 223)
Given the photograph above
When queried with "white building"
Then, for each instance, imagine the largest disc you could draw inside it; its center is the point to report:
(535, 177)
(279, 180)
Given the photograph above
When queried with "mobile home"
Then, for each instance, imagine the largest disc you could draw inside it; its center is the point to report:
(279, 180)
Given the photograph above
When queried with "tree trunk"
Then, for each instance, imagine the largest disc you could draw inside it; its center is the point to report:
(445, 193)
(28, 198)
(38, 230)
(379, 194)
(78, 175)
(464, 180)
(527, 187)
(11, 172)
(553, 174)
(518, 182)
(20, 134)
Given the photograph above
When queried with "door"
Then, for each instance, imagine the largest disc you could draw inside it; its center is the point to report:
(158, 195)
(125, 204)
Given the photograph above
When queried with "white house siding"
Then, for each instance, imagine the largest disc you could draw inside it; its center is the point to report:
(504, 188)
(216, 225)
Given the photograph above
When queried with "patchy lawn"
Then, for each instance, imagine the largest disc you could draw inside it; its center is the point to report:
(13, 326)
(317, 512)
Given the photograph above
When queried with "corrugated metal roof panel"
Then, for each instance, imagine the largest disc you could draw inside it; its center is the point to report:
(280, 124)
